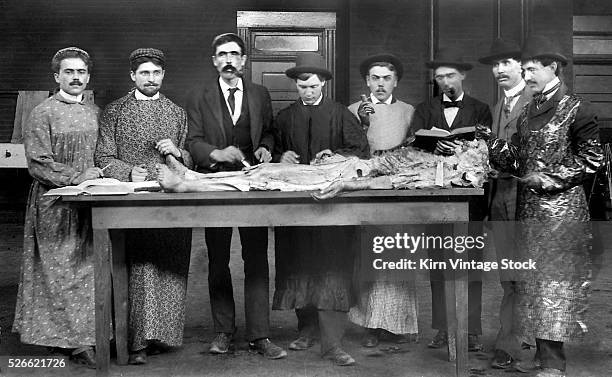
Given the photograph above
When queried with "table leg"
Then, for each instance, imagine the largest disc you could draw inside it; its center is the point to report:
(461, 308)
(103, 300)
(120, 294)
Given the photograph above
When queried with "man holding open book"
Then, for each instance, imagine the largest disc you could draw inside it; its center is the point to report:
(452, 111)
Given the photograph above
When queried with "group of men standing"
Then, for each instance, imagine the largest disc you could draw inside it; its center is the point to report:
(228, 124)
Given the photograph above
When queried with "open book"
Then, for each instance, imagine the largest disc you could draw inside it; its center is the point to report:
(439, 133)
(104, 186)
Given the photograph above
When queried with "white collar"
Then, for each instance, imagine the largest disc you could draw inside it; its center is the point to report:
(446, 99)
(552, 83)
(318, 101)
(516, 90)
(141, 97)
(225, 86)
(70, 97)
(387, 101)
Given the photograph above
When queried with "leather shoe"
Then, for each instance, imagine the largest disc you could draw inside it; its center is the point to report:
(301, 343)
(220, 344)
(138, 358)
(268, 349)
(86, 357)
(339, 357)
(370, 339)
(439, 341)
(473, 344)
(501, 360)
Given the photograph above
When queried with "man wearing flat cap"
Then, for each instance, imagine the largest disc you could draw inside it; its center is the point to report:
(505, 61)
(313, 264)
(230, 123)
(137, 132)
(556, 148)
(451, 110)
(387, 121)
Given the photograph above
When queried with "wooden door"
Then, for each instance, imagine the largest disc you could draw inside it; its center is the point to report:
(273, 40)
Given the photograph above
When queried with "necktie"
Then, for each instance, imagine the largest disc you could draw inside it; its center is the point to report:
(508, 102)
(231, 99)
(540, 98)
(448, 104)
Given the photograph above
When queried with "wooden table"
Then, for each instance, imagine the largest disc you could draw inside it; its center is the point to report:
(111, 215)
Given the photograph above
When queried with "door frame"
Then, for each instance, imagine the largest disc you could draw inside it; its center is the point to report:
(249, 21)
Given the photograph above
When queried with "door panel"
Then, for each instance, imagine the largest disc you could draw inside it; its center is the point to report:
(272, 76)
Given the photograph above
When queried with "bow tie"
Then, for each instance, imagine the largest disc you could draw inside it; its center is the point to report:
(448, 104)
(540, 98)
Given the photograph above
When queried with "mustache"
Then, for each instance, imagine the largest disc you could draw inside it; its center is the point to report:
(151, 84)
(502, 77)
(229, 68)
(76, 82)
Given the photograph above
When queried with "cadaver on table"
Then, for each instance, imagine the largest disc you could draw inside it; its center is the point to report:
(404, 168)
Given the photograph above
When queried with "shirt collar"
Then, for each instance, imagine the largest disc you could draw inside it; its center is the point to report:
(516, 90)
(141, 97)
(317, 102)
(225, 87)
(387, 102)
(70, 97)
(446, 99)
(552, 83)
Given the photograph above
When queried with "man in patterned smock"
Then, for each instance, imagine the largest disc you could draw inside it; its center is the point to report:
(55, 302)
(136, 132)
(554, 150)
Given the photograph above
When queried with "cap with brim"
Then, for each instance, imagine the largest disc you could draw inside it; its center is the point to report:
(309, 62)
(148, 53)
(540, 47)
(449, 57)
(502, 49)
(364, 67)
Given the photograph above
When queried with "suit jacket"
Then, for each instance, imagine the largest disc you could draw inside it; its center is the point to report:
(205, 117)
(503, 189)
(431, 113)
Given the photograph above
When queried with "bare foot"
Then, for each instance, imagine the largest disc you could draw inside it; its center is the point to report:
(169, 181)
(175, 166)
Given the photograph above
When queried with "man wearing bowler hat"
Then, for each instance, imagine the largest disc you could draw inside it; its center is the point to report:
(450, 110)
(505, 61)
(230, 123)
(556, 148)
(453, 108)
(314, 265)
(386, 119)
(385, 307)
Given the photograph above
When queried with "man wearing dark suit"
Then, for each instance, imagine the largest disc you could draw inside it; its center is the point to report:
(452, 109)
(230, 127)
(505, 61)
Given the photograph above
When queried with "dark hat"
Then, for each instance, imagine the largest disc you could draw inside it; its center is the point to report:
(147, 53)
(364, 67)
(449, 57)
(309, 62)
(539, 46)
(502, 49)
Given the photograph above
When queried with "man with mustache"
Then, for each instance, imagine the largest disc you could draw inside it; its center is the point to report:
(450, 110)
(386, 119)
(55, 302)
(137, 131)
(505, 61)
(556, 148)
(313, 264)
(385, 306)
(230, 123)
